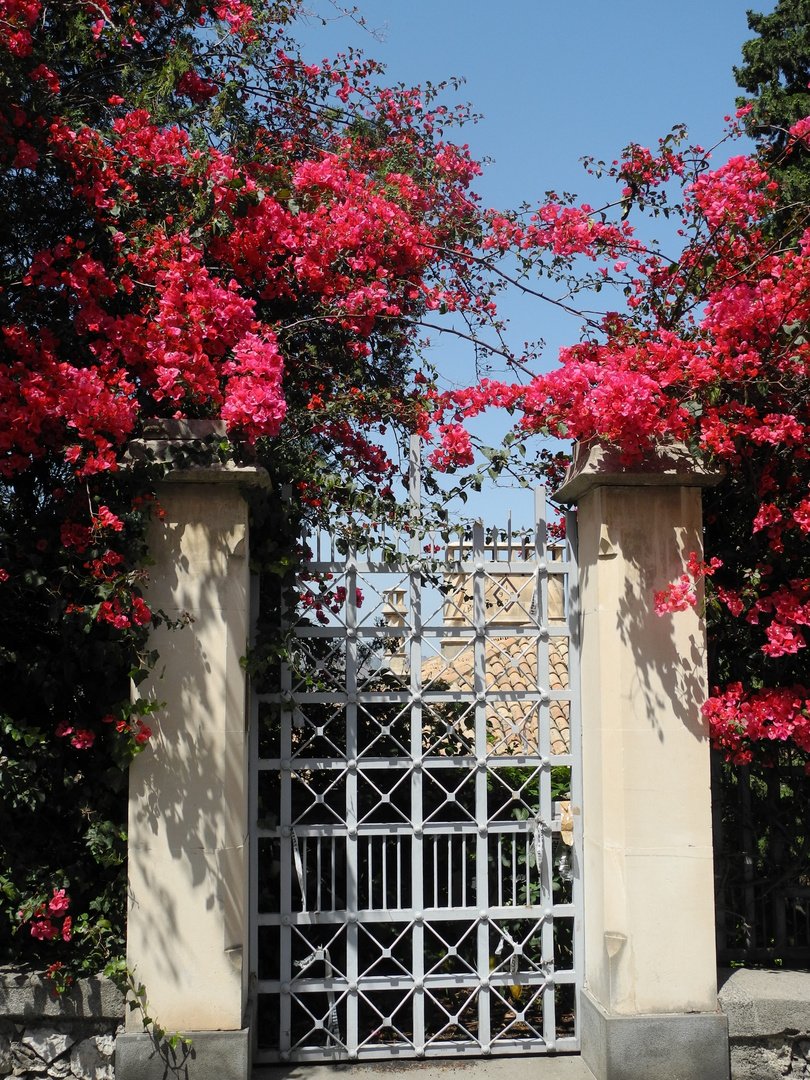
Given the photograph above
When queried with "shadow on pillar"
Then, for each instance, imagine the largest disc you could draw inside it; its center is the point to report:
(649, 1009)
(187, 926)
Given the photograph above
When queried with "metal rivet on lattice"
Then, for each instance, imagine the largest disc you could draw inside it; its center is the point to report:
(285, 988)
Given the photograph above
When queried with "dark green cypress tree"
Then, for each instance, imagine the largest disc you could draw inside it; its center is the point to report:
(775, 75)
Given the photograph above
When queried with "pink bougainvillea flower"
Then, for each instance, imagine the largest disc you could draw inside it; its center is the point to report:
(59, 903)
(83, 739)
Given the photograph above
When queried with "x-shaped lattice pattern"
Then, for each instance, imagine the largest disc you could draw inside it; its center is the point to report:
(421, 715)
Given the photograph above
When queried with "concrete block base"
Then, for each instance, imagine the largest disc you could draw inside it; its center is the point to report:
(214, 1055)
(768, 1022)
(676, 1046)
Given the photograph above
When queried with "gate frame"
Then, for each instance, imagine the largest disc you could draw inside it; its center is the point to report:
(542, 567)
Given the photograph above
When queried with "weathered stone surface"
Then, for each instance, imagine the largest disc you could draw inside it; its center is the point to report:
(26, 1061)
(30, 997)
(60, 1069)
(47, 1043)
(769, 1022)
(6, 1060)
(597, 465)
(92, 1059)
(761, 1002)
(768, 1059)
(214, 1055)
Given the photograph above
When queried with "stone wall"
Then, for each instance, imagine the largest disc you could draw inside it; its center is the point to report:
(68, 1038)
(768, 1022)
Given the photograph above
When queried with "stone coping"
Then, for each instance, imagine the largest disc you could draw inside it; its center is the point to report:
(595, 465)
(160, 435)
(760, 1002)
(25, 997)
(244, 475)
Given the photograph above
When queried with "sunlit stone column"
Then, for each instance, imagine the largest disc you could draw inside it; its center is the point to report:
(649, 1007)
(187, 930)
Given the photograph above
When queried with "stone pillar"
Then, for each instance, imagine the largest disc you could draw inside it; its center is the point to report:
(649, 1005)
(187, 926)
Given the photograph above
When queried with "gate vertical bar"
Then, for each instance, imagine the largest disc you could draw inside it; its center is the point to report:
(352, 838)
(417, 840)
(575, 737)
(253, 815)
(481, 782)
(545, 872)
(285, 858)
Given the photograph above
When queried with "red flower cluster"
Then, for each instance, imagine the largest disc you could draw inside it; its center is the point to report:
(45, 919)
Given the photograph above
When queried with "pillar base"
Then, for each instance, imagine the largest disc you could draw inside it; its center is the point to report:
(664, 1046)
(214, 1055)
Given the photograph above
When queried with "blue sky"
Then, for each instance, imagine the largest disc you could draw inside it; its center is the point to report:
(554, 81)
(558, 80)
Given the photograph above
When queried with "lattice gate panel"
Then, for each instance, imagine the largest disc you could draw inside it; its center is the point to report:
(416, 868)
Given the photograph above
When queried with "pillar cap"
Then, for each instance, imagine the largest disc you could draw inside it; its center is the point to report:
(595, 464)
(160, 435)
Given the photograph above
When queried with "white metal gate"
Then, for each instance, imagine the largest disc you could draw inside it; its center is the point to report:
(416, 886)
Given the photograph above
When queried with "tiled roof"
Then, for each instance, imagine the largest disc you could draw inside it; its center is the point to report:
(511, 667)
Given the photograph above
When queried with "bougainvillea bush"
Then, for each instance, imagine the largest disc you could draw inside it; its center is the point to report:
(198, 224)
(711, 349)
(707, 345)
